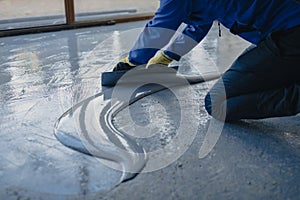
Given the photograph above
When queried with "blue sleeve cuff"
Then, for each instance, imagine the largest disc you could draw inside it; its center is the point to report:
(172, 55)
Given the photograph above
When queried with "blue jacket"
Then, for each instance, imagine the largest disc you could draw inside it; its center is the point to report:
(252, 20)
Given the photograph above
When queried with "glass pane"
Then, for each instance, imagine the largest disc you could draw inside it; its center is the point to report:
(97, 9)
(29, 13)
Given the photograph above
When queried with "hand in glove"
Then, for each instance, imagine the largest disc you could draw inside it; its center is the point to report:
(161, 59)
(124, 64)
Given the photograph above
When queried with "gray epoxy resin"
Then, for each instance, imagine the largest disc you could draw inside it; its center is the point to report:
(88, 126)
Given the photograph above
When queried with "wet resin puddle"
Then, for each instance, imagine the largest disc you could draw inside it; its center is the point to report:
(43, 75)
(88, 126)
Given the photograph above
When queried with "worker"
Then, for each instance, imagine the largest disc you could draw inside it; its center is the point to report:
(264, 81)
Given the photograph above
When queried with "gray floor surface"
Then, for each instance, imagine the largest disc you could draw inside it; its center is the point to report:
(42, 75)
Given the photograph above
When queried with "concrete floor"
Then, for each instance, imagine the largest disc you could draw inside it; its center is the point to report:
(42, 75)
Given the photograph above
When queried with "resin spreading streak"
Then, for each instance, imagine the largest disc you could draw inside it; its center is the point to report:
(88, 128)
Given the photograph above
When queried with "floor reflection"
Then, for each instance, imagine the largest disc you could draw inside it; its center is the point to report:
(41, 76)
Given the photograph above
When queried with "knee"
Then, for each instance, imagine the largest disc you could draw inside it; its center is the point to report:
(215, 107)
(207, 103)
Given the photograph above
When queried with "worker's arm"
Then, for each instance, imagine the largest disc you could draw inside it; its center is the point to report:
(183, 43)
(159, 30)
(187, 40)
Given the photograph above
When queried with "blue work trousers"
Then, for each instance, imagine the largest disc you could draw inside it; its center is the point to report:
(263, 82)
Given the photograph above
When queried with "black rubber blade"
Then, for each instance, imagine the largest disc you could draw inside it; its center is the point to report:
(110, 79)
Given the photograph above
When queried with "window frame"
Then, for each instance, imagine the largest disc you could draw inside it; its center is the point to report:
(71, 22)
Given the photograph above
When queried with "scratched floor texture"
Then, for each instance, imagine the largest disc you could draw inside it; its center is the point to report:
(42, 75)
